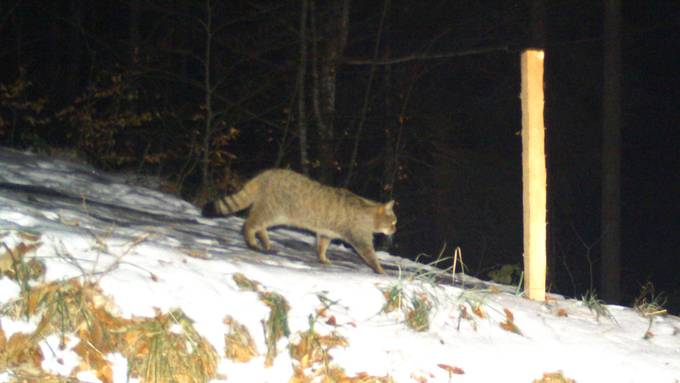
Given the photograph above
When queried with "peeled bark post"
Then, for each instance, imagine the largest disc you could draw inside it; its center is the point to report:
(533, 174)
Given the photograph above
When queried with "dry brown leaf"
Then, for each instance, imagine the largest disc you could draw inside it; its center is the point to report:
(6, 262)
(554, 377)
(22, 249)
(511, 327)
(9, 258)
(22, 349)
(451, 369)
(508, 315)
(509, 324)
(479, 312)
(92, 359)
(3, 339)
(418, 378)
(299, 376)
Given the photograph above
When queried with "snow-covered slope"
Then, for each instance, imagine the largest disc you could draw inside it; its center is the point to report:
(152, 253)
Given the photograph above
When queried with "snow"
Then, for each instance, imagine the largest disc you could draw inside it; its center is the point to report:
(150, 251)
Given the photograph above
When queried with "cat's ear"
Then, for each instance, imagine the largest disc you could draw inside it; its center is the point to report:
(385, 207)
(389, 205)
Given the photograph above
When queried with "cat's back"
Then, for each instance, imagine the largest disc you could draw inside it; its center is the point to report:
(285, 183)
(275, 177)
(305, 202)
(290, 184)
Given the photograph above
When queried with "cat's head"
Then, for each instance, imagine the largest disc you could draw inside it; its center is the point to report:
(385, 219)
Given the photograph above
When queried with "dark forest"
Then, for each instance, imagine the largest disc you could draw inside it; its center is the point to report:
(412, 100)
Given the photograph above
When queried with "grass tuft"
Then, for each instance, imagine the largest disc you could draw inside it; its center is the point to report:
(418, 314)
(161, 349)
(13, 263)
(167, 348)
(244, 283)
(67, 307)
(314, 363)
(313, 348)
(239, 346)
(393, 298)
(416, 310)
(648, 303)
(596, 305)
(276, 325)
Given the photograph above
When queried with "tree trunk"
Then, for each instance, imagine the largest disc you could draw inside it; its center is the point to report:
(611, 154)
(209, 115)
(389, 126)
(134, 30)
(75, 47)
(334, 36)
(302, 72)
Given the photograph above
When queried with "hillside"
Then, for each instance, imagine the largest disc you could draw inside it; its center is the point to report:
(104, 281)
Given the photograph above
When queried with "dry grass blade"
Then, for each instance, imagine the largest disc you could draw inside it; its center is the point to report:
(28, 375)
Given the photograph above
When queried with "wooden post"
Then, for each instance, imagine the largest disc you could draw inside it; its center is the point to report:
(533, 174)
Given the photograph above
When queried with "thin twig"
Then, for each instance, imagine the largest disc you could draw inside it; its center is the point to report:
(367, 95)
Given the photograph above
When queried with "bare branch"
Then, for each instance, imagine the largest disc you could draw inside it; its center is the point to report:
(415, 57)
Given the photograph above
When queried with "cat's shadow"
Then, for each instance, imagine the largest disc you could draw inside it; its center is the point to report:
(299, 250)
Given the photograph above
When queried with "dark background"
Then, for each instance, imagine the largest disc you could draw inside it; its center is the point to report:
(121, 84)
